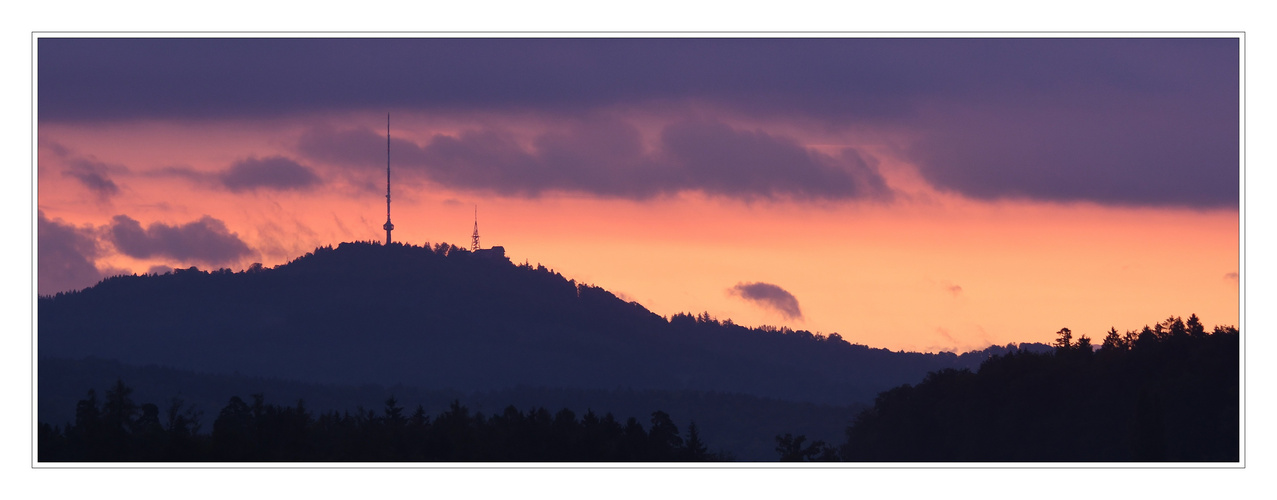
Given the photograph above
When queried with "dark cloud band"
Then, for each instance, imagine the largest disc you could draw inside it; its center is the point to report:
(608, 158)
(1124, 121)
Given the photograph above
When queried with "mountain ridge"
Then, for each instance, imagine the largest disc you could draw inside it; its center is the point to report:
(446, 318)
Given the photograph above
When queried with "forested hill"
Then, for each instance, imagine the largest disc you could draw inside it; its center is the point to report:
(446, 318)
(1165, 394)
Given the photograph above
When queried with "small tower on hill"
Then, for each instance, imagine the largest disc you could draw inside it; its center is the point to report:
(474, 238)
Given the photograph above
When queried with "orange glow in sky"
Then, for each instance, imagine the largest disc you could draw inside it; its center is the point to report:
(926, 270)
(912, 193)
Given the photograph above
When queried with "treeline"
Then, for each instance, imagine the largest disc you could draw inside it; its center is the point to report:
(740, 424)
(118, 430)
(1166, 393)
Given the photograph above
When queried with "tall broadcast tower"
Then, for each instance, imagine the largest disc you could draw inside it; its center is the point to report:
(388, 225)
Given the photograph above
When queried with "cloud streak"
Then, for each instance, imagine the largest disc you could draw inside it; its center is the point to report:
(770, 297)
(88, 171)
(92, 174)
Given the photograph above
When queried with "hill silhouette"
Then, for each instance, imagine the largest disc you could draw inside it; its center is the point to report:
(447, 318)
(349, 326)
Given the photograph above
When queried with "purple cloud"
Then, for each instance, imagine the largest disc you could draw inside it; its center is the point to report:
(1068, 153)
(607, 157)
(272, 172)
(66, 256)
(90, 172)
(769, 296)
(206, 240)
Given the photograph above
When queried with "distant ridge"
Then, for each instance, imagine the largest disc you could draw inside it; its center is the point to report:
(444, 318)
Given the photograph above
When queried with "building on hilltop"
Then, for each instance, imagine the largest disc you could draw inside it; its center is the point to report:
(495, 253)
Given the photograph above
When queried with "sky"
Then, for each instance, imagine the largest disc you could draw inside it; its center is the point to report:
(927, 194)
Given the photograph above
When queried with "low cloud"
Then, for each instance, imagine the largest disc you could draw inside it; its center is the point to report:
(66, 256)
(769, 296)
(954, 289)
(205, 241)
(1231, 276)
(608, 158)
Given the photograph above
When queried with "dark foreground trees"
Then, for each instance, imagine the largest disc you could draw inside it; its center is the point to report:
(256, 431)
(1168, 393)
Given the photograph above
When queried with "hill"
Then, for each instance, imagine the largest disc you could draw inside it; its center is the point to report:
(352, 325)
(445, 318)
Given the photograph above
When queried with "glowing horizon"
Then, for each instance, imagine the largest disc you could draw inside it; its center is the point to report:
(908, 221)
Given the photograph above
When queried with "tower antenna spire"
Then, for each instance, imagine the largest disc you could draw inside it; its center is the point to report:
(388, 226)
(474, 238)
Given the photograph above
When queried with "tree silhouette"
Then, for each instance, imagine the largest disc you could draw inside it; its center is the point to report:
(1195, 327)
(695, 450)
(1112, 341)
(1063, 340)
(663, 436)
(791, 449)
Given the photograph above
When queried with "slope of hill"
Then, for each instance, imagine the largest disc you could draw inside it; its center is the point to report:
(447, 319)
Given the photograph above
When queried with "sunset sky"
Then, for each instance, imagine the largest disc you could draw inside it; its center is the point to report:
(908, 193)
